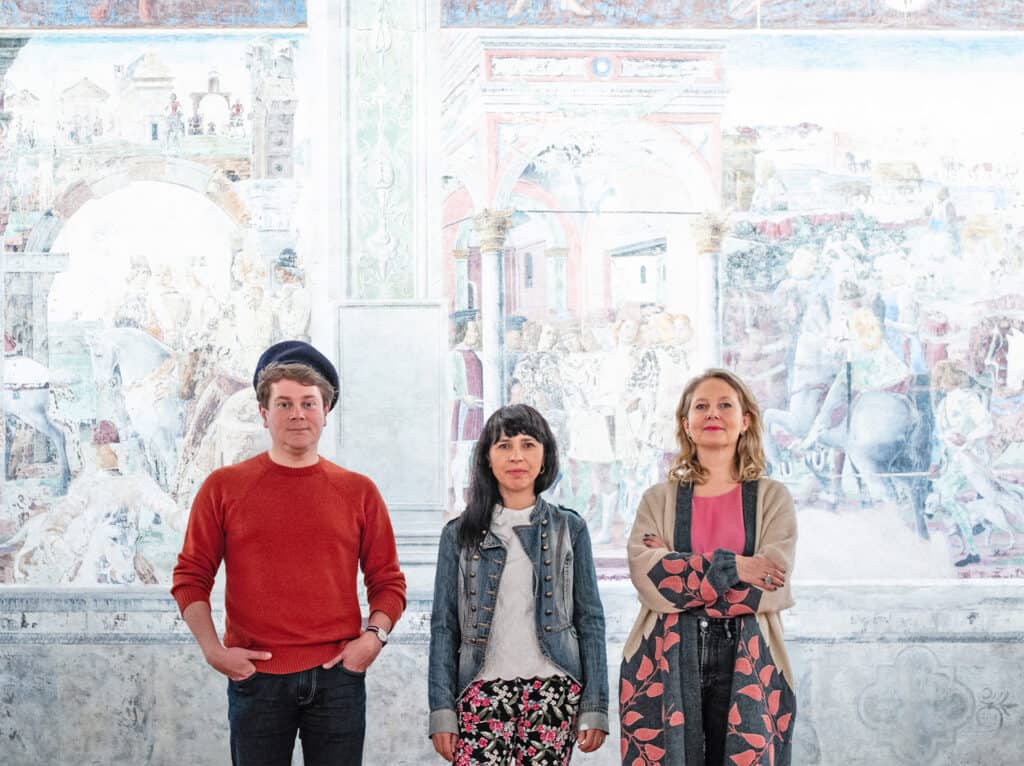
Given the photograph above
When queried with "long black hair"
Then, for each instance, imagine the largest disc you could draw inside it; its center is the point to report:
(507, 421)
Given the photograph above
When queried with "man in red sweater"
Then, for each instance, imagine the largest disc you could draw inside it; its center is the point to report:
(292, 530)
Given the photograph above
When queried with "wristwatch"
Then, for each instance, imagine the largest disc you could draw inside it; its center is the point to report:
(381, 633)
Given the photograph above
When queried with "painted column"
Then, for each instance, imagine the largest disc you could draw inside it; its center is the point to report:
(707, 236)
(9, 48)
(557, 259)
(462, 289)
(492, 227)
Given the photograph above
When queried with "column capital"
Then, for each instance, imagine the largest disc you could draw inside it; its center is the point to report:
(460, 254)
(557, 252)
(492, 226)
(708, 229)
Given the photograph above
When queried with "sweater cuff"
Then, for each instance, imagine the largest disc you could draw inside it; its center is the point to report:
(723, 574)
(390, 605)
(443, 721)
(189, 594)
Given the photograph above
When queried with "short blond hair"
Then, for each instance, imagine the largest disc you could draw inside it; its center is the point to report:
(300, 373)
(749, 463)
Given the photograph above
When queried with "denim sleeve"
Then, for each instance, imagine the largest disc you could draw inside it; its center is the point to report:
(445, 637)
(588, 619)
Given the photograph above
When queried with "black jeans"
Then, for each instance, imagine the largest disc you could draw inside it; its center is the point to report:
(717, 647)
(327, 708)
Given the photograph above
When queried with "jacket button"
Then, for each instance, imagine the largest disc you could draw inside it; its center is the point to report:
(544, 535)
(544, 522)
(547, 562)
(476, 557)
(547, 578)
(544, 547)
(547, 628)
(547, 612)
(547, 594)
(472, 593)
(472, 574)
(472, 607)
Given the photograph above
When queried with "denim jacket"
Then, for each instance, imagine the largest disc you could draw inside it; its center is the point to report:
(569, 616)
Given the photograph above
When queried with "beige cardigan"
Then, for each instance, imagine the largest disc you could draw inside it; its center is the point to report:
(775, 538)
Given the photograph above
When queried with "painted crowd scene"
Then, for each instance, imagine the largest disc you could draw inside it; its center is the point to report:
(833, 219)
(151, 251)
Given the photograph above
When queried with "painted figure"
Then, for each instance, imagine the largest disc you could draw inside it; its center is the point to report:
(967, 488)
(27, 394)
(467, 404)
(529, 681)
(148, 13)
(110, 527)
(589, 450)
(705, 675)
(136, 378)
(292, 305)
(175, 121)
(293, 529)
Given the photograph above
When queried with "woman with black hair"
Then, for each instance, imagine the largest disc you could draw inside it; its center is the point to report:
(518, 672)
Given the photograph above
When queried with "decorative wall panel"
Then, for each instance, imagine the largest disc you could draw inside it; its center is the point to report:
(381, 108)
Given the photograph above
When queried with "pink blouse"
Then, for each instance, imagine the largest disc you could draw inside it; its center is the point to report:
(717, 522)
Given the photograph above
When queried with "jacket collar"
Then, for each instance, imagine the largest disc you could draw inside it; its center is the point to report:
(541, 511)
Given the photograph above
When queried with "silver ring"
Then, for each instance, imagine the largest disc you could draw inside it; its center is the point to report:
(768, 580)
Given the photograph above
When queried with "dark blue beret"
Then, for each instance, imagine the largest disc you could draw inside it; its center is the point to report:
(298, 352)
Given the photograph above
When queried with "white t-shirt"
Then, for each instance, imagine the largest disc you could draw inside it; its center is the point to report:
(513, 650)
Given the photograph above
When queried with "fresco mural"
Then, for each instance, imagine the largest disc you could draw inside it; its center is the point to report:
(35, 14)
(599, 13)
(151, 251)
(867, 236)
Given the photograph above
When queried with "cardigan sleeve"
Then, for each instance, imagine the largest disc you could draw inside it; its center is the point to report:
(776, 541)
(667, 581)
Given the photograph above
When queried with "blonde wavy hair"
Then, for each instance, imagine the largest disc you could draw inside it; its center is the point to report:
(749, 461)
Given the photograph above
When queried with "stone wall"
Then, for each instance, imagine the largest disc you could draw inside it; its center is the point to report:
(905, 673)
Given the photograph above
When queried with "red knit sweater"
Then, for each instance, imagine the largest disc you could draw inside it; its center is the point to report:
(292, 540)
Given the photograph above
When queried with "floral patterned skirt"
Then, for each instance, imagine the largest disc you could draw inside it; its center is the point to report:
(525, 721)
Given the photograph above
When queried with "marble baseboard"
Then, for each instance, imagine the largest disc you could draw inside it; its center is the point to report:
(904, 673)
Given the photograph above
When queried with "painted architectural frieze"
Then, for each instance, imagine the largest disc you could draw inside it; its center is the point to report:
(736, 15)
(892, 14)
(54, 14)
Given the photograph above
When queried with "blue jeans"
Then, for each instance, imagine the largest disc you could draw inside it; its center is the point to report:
(327, 708)
(717, 646)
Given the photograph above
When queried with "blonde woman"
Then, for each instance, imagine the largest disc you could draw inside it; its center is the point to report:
(705, 678)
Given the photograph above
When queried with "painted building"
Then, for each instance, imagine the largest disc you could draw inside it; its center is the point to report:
(144, 88)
